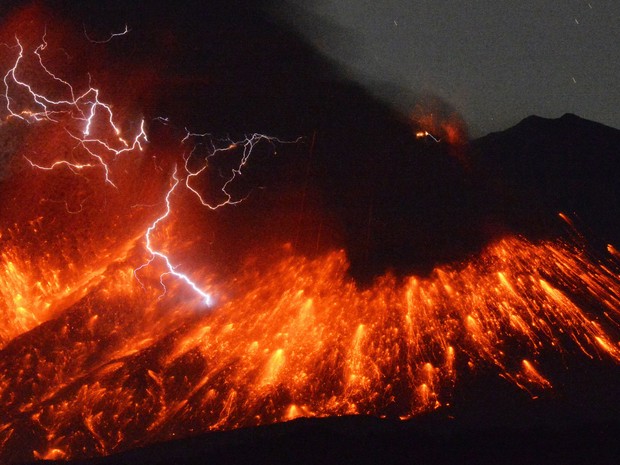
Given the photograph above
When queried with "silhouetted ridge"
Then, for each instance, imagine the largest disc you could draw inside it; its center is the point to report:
(364, 440)
(541, 167)
(359, 179)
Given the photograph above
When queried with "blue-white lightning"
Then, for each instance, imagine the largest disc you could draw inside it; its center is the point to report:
(171, 269)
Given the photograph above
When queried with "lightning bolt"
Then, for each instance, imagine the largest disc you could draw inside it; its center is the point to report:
(112, 35)
(85, 108)
(247, 145)
(89, 111)
(171, 269)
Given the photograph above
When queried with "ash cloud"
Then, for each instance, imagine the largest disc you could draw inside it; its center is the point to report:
(361, 180)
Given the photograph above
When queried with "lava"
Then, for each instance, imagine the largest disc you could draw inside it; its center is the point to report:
(294, 337)
(97, 357)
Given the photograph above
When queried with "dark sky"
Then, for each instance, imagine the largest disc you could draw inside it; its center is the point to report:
(495, 62)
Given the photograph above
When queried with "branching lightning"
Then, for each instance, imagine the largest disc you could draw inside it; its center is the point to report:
(247, 145)
(85, 108)
(216, 146)
(91, 112)
(112, 35)
(171, 269)
(297, 337)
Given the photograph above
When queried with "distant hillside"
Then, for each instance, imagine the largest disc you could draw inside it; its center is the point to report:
(541, 167)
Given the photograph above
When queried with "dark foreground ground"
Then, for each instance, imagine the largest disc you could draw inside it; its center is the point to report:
(418, 206)
(368, 440)
(490, 421)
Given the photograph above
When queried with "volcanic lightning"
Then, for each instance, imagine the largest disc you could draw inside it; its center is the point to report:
(111, 36)
(247, 145)
(88, 105)
(228, 145)
(83, 107)
(171, 270)
(117, 366)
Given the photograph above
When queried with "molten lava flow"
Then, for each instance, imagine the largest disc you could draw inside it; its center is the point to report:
(48, 264)
(105, 342)
(296, 337)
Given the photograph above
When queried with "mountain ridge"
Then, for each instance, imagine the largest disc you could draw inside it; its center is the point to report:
(542, 167)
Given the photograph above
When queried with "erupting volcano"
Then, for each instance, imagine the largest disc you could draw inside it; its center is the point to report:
(131, 314)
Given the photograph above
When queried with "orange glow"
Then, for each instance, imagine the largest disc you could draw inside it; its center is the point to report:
(102, 354)
(534, 376)
(434, 120)
(296, 337)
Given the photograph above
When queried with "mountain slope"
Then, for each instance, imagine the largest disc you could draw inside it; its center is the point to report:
(541, 167)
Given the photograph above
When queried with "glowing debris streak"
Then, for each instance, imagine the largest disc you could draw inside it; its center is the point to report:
(297, 337)
(104, 363)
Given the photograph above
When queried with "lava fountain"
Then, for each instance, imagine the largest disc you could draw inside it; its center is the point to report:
(117, 332)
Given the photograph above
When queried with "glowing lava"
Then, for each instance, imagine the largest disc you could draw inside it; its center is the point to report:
(296, 337)
(94, 361)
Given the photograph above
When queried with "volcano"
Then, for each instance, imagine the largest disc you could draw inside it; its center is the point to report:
(147, 372)
(544, 166)
(251, 258)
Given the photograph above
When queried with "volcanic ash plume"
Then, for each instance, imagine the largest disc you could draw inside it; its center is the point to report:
(117, 329)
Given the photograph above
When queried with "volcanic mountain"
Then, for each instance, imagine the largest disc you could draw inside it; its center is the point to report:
(250, 253)
(487, 418)
(544, 166)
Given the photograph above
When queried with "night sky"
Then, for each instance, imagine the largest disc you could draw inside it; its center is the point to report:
(452, 256)
(493, 62)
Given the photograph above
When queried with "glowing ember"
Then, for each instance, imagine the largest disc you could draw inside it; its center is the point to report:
(296, 337)
(105, 361)
(438, 124)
